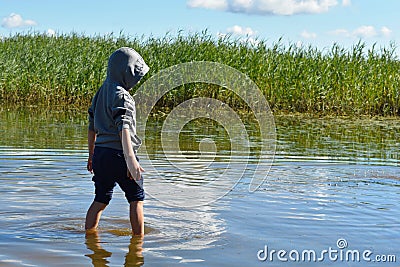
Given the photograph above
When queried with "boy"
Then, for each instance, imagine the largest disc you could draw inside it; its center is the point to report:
(112, 139)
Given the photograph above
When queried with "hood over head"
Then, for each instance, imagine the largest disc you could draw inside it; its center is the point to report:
(126, 67)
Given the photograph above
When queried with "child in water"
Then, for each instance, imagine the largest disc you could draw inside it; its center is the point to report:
(112, 139)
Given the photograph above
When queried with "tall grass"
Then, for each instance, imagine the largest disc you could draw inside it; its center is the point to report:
(68, 69)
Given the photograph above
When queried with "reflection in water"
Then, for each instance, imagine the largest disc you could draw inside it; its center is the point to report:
(331, 178)
(367, 141)
(42, 128)
(100, 256)
(354, 139)
(42, 189)
(134, 257)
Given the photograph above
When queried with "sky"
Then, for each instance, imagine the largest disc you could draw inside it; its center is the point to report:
(319, 23)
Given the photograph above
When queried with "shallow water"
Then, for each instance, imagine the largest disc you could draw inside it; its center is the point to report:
(331, 181)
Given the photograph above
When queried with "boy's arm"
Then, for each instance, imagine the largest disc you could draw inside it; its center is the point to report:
(91, 140)
(134, 168)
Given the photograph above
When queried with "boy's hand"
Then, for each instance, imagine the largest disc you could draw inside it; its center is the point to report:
(134, 168)
(89, 165)
(91, 141)
(137, 171)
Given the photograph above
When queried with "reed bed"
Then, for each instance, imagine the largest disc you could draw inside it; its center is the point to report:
(67, 69)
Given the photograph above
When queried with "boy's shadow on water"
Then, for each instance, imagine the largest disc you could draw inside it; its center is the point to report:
(99, 257)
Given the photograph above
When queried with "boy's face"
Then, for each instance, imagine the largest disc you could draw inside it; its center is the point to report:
(136, 80)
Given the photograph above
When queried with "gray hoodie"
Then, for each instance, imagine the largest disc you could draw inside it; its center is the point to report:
(113, 108)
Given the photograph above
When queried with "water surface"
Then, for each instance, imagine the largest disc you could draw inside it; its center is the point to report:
(331, 180)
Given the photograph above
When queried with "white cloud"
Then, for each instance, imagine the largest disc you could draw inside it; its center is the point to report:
(386, 32)
(51, 33)
(245, 34)
(16, 21)
(308, 35)
(346, 3)
(241, 30)
(208, 4)
(341, 32)
(268, 7)
(364, 32)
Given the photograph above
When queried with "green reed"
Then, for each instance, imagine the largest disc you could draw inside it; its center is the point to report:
(37, 69)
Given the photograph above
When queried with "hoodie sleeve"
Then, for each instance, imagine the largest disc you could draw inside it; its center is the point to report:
(91, 119)
(124, 112)
(91, 113)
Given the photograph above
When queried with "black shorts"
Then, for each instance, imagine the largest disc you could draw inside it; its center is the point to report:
(109, 169)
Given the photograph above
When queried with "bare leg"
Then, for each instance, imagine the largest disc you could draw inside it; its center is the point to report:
(93, 215)
(137, 218)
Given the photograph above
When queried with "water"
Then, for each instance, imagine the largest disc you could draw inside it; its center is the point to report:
(331, 181)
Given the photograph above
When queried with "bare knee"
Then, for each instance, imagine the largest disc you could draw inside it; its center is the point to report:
(136, 204)
(98, 206)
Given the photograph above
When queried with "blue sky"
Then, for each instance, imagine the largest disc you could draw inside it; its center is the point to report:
(317, 22)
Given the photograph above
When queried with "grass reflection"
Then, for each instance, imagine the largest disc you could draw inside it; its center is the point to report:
(354, 139)
(33, 127)
(364, 139)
